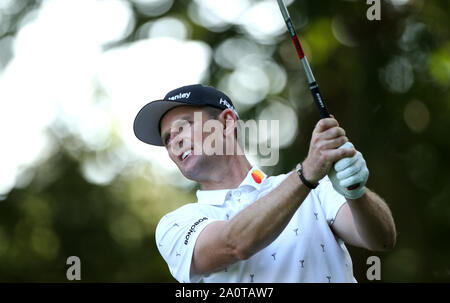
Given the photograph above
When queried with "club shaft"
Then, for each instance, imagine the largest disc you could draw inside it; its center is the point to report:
(313, 86)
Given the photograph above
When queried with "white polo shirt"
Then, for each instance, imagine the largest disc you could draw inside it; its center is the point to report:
(305, 251)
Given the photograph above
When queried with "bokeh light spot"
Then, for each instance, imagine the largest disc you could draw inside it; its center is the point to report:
(417, 116)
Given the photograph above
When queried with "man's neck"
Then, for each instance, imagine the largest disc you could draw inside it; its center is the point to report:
(231, 176)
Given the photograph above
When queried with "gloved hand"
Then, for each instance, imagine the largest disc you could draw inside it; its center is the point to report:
(349, 171)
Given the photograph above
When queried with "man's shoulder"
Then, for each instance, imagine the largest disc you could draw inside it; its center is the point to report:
(185, 216)
(186, 212)
(181, 211)
(325, 185)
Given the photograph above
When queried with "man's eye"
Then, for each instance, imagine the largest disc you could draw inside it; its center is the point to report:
(166, 140)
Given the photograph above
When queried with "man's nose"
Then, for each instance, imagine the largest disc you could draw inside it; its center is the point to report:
(175, 143)
(180, 139)
(179, 143)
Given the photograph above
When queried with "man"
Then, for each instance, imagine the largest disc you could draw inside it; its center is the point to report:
(246, 226)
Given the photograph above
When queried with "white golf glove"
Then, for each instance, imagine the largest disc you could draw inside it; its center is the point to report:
(349, 171)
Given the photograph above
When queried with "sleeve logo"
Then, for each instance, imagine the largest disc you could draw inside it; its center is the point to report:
(192, 229)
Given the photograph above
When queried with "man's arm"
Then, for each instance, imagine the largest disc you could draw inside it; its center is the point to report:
(366, 222)
(225, 242)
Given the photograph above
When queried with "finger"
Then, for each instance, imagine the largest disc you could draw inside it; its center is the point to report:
(332, 116)
(334, 155)
(325, 124)
(332, 144)
(351, 170)
(347, 145)
(332, 133)
(355, 179)
(346, 162)
(360, 177)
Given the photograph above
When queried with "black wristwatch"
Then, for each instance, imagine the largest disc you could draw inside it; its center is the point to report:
(300, 174)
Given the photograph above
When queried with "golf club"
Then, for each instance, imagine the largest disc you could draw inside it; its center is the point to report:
(313, 86)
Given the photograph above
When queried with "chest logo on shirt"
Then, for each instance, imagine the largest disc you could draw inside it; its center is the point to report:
(257, 176)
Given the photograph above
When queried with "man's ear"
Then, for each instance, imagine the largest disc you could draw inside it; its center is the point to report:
(228, 119)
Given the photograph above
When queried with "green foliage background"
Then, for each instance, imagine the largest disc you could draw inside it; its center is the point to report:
(402, 134)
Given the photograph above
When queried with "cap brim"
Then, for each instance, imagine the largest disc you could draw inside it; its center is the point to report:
(146, 123)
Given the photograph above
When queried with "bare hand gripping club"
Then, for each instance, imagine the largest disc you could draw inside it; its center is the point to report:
(313, 86)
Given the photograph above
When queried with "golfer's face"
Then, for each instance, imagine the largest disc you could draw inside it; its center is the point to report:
(181, 132)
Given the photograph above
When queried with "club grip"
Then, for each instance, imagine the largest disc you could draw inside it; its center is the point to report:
(318, 99)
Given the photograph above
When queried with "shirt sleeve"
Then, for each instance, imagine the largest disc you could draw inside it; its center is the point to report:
(176, 235)
(330, 200)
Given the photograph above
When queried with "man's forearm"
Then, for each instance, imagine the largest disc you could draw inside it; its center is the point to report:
(374, 221)
(259, 224)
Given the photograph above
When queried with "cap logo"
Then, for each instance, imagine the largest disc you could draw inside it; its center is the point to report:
(225, 102)
(228, 105)
(180, 96)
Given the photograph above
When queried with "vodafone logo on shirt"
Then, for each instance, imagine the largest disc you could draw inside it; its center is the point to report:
(257, 176)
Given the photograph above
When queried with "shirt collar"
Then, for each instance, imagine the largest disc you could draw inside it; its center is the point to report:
(254, 178)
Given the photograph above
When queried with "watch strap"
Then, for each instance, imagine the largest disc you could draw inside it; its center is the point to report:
(303, 179)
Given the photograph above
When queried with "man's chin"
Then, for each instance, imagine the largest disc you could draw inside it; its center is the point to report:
(190, 169)
(197, 170)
